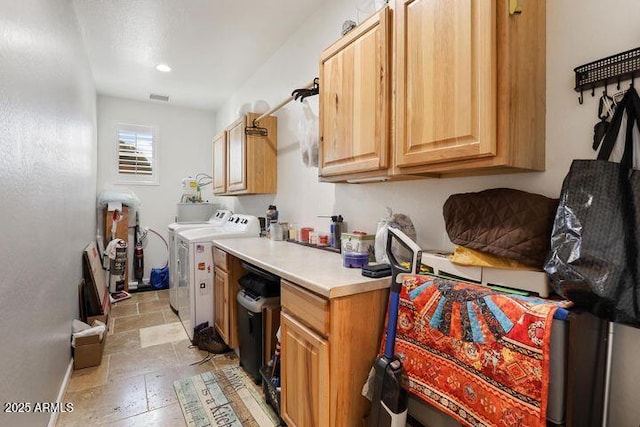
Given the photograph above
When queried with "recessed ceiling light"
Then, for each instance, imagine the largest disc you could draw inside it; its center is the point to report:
(163, 67)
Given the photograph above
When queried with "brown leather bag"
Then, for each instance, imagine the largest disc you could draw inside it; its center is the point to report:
(504, 222)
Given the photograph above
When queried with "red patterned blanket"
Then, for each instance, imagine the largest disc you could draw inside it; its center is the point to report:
(480, 355)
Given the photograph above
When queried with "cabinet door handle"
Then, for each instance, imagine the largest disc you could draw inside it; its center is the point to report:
(514, 7)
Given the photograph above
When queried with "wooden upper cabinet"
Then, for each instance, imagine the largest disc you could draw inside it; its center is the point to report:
(236, 160)
(470, 86)
(355, 99)
(446, 80)
(465, 90)
(251, 159)
(220, 163)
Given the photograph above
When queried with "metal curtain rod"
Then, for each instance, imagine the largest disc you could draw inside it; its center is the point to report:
(283, 103)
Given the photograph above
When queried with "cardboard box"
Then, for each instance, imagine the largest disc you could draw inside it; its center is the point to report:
(104, 318)
(88, 351)
(359, 243)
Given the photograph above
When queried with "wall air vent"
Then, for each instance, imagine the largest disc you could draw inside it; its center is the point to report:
(157, 97)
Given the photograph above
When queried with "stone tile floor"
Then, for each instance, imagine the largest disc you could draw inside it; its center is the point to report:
(133, 386)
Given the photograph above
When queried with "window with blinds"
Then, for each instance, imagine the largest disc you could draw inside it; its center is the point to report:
(136, 155)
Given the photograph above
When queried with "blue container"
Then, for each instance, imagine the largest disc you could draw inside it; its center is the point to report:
(159, 278)
(355, 259)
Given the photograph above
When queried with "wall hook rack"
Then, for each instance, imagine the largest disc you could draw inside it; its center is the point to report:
(612, 69)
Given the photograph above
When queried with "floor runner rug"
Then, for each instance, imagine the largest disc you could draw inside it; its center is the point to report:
(225, 396)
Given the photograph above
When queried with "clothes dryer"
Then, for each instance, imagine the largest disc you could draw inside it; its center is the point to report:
(196, 270)
(217, 220)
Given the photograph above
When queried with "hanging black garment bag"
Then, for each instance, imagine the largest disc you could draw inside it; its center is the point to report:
(594, 258)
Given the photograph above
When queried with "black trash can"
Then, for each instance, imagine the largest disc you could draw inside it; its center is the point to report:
(258, 291)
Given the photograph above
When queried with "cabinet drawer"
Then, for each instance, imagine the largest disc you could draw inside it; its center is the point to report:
(306, 306)
(220, 258)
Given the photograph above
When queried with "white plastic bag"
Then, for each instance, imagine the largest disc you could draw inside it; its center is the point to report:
(399, 221)
(260, 106)
(122, 195)
(244, 109)
(366, 8)
(308, 133)
(98, 328)
(379, 247)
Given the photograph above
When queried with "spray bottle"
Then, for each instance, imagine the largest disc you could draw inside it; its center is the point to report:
(336, 229)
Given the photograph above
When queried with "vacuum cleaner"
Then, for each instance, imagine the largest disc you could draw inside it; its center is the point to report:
(389, 403)
(138, 258)
(138, 255)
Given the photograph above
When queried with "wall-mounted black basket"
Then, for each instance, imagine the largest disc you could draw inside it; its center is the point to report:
(613, 69)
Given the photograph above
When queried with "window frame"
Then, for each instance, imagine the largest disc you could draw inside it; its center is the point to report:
(135, 179)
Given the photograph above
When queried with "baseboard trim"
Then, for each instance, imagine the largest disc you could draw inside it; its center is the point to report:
(63, 390)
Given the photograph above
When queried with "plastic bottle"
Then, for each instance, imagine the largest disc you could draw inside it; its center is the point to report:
(272, 215)
(275, 231)
(335, 231)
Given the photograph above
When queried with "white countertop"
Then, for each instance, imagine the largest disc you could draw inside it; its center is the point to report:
(314, 269)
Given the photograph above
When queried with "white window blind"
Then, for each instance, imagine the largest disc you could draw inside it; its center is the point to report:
(136, 155)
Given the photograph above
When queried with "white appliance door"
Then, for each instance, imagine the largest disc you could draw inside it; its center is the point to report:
(173, 271)
(182, 267)
(202, 289)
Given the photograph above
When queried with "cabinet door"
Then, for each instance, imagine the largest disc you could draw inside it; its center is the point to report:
(446, 80)
(221, 303)
(220, 164)
(236, 157)
(305, 375)
(355, 100)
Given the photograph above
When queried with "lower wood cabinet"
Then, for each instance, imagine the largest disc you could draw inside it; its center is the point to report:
(328, 348)
(221, 303)
(227, 271)
(305, 371)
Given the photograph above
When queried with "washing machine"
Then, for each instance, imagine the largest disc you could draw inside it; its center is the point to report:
(194, 265)
(217, 220)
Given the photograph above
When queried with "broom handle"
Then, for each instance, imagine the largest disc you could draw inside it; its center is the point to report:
(607, 375)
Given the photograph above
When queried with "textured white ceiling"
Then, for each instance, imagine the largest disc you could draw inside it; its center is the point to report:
(212, 46)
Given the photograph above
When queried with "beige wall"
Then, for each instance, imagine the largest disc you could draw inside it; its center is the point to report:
(184, 138)
(578, 31)
(48, 176)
